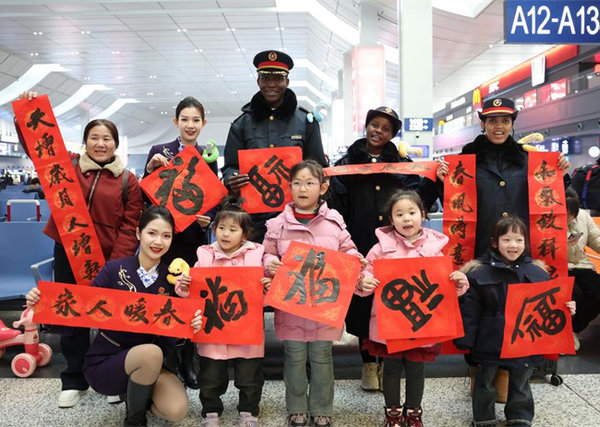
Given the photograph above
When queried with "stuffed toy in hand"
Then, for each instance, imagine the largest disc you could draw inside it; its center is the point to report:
(177, 267)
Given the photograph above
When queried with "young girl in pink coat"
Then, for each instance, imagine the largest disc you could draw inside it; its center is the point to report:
(307, 220)
(404, 238)
(232, 226)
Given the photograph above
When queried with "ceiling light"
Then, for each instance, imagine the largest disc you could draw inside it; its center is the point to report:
(75, 52)
(87, 78)
(198, 50)
(153, 76)
(177, 93)
(37, 33)
(241, 49)
(490, 46)
(85, 32)
(119, 77)
(233, 92)
(229, 29)
(79, 96)
(114, 52)
(33, 54)
(150, 93)
(122, 94)
(207, 111)
(141, 121)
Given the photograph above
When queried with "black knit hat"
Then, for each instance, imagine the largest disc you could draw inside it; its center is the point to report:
(388, 113)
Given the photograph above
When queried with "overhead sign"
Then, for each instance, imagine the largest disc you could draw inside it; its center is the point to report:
(418, 124)
(552, 21)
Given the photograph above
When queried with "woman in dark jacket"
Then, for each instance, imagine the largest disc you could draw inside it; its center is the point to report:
(501, 176)
(361, 200)
(114, 200)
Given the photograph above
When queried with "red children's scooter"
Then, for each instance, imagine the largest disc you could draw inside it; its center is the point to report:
(36, 354)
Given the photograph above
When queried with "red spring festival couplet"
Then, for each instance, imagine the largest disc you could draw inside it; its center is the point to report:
(416, 302)
(231, 300)
(269, 172)
(547, 212)
(426, 169)
(103, 308)
(314, 283)
(460, 208)
(186, 186)
(57, 175)
(537, 320)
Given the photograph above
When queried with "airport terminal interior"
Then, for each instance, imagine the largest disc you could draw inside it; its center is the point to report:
(433, 62)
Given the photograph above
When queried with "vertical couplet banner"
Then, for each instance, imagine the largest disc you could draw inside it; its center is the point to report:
(460, 208)
(186, 187)
(269, 172)
(547, 212)
(58, 178)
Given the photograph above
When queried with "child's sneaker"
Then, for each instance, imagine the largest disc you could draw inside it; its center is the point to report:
(321, 421)
(412, 418)
(393, 417)
(211, 420)
(297, 420)
(247, 420)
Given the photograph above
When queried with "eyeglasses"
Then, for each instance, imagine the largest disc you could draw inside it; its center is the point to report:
(308, 185)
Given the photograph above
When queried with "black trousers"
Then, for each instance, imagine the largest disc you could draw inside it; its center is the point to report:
(214, 379)
(415, 381)
(74, 342)
(586, 294)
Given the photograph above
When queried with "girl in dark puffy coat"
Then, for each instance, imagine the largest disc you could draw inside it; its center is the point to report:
(482, 309)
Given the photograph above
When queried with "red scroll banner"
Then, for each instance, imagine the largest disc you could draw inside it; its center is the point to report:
(314, 283)
(460, 208)
(186, 187)
(231, 300)
(547, 212)
(416, 302)
(426, 169)
(537, 320)
(269, 172)
(103, 308)
(61, 186)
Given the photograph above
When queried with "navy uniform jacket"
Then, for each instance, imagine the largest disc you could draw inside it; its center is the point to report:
(482, 307)
(186, 243)
(122, 274)
(261, 127)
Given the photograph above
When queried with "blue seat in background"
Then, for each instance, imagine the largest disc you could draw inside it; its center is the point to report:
(4, 197)
(21, 245)
(23, 210)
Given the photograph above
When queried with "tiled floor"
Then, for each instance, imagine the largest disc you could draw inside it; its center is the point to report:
(32, 401)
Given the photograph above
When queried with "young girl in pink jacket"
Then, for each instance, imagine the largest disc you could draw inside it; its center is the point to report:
(232, 226)
(404, 238)
(307, 220)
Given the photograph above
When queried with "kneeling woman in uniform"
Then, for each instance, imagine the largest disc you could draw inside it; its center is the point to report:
(133, 363)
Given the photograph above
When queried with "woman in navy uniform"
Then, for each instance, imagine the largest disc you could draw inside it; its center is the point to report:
(189, 119)
(130, 363)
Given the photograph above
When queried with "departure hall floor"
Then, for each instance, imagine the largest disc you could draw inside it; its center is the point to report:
(33, 401)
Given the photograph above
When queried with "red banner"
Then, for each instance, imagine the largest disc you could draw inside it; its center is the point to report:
(426, 169)
(460, 208)
(187, 187)
(314, 283)
(103, 308)
(547, 212)
(537, 320)
(231, 300)
(57, 175)
(416, 299)
(269, 172)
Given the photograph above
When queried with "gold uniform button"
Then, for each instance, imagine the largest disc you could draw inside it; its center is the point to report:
(377, 187)
(504, 214)
(502, 184)
(271, 145)
(271, 117)
(373, 160)
(380, 218)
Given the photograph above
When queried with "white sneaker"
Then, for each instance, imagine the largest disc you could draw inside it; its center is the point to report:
(211, 420)
(69, 398)
(577, 343)
(113, 400)
(369, 379)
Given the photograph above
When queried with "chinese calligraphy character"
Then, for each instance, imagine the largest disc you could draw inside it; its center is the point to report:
(459, 174)
(100, 307)
(57, 175)
(74, 224)
(320, 290)
(458, 203)
(188, 191)
(64, 304)
(545, 197)
(83, 244)
(64, 198)
(543, 172)
(459, 228)
(167, 312)
(399, 295)
(541, 318)
(546, 221)
(272, 195)
(47, 144)
(36, 119)
(91, 269)
(137, 312)
(215, 312)
(547, 247)
(456, 254)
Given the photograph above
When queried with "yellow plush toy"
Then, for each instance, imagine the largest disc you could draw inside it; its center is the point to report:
(177, 268)
(532, 137)
(404, 149)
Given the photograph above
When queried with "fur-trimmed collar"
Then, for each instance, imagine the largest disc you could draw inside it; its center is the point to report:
(485, 260)
(510, 150)
(260, 110)
(115, 167)
(357, 152)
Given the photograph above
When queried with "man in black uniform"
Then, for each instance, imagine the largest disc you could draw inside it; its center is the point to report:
(271, 119)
